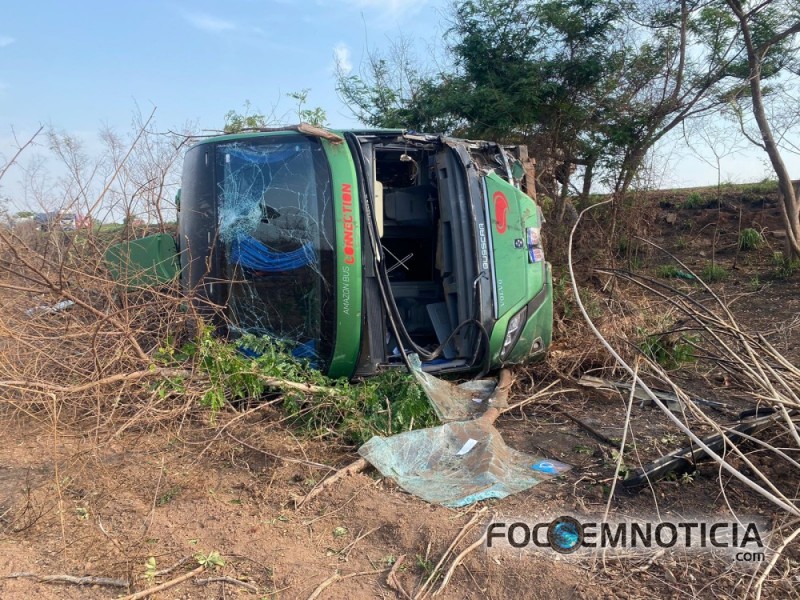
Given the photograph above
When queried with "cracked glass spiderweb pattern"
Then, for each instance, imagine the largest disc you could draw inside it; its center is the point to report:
(275, 228)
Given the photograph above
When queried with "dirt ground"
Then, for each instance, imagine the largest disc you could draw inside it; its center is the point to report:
(74, 503)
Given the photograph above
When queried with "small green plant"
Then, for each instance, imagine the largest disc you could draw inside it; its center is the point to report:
(168, 496)
(713, 272)
(693, 200)
(750, 239)
(315, 116)
(669, 352)
(783, 267)
(389, 560)
(236, 122)
(212, 559)
(624, 470)
(668, 271)
(590, 303)
(547, 204)
(425, 565)
(635, 262)
(150, 569)
(562, 297)
(754, 284)
(683, 478)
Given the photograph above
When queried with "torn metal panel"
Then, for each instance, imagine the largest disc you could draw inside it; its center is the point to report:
(684, 460)
(149, 261)
(458, 463)
(464, 401)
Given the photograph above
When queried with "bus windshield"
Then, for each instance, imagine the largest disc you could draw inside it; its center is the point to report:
(275, 220)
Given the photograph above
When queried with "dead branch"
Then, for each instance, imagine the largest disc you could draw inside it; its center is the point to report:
(393, 582)
(164, 586)
(71, 579)
(19, 152)
(279, 457)
(118, 378)
(760, 372)
(773, 561)
(539, 395)
(308, 388)
(336, 577)
(421, 593)
(170, 569)
(228, 580)
(351, 469)
(345, 552)
(457, 561)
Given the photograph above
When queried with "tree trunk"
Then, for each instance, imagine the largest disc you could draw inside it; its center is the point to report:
(790, 206)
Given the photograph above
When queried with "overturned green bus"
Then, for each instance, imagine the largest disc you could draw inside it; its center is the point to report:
(357, 248)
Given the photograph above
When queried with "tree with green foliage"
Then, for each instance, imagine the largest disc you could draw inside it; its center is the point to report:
(535, 73)
(588, 85)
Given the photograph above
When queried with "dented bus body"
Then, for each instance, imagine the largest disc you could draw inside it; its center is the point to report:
(358, 248)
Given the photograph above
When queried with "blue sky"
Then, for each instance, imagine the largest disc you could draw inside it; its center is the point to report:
(79, 66)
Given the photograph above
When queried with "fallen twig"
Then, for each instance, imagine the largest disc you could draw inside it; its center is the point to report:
(181, 562)
(457, 561)
(309, 388)
(341, 507)
(119, 378)
(278, 456)
(164, 586)
(336, 577)
(87, 580)
(543, 393)
(773, 561)
(230, 580)
(393, 582)
(345, 552)
(351, 469)
(435, 572)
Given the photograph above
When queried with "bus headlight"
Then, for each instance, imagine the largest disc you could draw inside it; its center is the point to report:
(515, 326)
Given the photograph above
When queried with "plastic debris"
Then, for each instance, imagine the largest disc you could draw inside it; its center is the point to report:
(465, 460)
(49, 310)
(457, 463)
(460, 402)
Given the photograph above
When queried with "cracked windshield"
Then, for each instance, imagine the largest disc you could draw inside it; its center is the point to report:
(276, 231)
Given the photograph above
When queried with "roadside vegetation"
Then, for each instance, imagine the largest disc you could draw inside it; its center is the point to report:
(675, 281)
